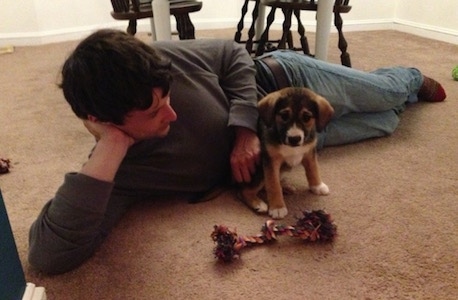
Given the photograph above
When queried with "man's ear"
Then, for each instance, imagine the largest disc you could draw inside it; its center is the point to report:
(96, 120)
(92, 118)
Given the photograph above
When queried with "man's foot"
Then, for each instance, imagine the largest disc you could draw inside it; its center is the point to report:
(431, 91)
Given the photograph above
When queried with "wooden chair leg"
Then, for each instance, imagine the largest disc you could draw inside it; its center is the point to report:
(238, 33)
(251, 31)
(301, 30)
(185, 28)
(132, 27)
(286, 29)
(265, 35)
(342, 44)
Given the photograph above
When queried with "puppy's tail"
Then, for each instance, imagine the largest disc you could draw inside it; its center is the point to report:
(209, 195)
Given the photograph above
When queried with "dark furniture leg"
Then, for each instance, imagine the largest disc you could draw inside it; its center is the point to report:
(132, 27)
(265, 35)
(301, 30)
(185, 28)
(342, 44)
(286, 34)
(251, 31)
(238, 33)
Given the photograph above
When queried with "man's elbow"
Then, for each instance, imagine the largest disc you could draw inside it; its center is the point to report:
(51, 262)
(54, 255)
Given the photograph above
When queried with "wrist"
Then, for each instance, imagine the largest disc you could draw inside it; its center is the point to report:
(106, 158)
(243, 131)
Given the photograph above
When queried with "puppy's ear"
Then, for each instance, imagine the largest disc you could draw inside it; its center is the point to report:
(266, 108)
(325, 112)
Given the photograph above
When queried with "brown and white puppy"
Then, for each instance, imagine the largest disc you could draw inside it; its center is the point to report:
(289, 121)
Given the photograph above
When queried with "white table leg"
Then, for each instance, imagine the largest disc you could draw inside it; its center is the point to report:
(259, 27)
(153, 29)
(161, 20)
(323, 28)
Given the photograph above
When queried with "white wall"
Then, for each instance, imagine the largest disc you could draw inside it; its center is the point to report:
(29, 22)
(425, 18)
(37, 21)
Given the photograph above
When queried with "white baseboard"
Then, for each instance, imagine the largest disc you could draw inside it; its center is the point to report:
(431, 32)
(69, 34)
(33, 292)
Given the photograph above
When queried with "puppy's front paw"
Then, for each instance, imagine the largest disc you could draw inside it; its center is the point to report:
(260, 207)
(250, 198)
(278, 213)
(321, 189)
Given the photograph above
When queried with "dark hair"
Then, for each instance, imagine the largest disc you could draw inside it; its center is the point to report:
(111, 73)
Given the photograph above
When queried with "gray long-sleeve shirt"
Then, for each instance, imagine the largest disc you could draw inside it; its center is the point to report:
(213, 89)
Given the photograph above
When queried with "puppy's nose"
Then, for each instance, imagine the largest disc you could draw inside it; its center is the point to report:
(294, 140)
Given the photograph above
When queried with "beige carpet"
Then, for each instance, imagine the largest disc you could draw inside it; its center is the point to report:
(394, 199)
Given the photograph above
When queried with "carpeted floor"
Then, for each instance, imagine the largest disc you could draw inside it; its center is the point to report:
(393, 199)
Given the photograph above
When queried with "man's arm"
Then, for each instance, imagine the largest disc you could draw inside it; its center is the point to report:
(73, 224)
(239, 83)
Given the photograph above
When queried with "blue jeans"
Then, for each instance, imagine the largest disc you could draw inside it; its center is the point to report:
(366, 104)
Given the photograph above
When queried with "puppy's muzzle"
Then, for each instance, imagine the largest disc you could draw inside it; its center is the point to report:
(294, 136)
(294, 140)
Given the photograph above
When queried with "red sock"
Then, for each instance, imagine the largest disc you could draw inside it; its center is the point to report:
(431, 91)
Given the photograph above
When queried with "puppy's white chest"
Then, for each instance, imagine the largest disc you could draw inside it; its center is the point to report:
(293, 155)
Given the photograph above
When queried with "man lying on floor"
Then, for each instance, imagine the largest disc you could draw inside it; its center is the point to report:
(180, 117)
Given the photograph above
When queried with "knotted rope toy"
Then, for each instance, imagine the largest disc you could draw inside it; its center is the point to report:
(455, 73)
(4, 165)
(314, 226)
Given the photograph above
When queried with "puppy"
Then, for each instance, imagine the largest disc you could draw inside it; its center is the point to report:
(289, 121)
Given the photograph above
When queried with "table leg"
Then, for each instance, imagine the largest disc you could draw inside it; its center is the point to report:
(260, 21)
(161, 20)
(323, 28)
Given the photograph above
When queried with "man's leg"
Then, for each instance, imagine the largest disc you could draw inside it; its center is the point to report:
(350, 90)
(355, 127)
(366, 104)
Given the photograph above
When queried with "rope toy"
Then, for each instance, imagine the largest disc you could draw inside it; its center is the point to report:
(314, 226)
(455, 73)
(4, 165)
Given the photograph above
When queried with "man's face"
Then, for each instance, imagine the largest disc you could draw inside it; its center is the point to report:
(152, 122)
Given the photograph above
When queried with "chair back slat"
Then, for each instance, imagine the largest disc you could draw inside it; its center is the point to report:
(120, 5)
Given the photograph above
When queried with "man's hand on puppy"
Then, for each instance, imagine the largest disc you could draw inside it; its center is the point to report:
(245, 156)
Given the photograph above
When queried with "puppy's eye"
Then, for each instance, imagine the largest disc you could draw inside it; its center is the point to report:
(284, 116)
(306, 117)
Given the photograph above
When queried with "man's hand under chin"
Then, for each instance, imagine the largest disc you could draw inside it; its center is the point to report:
(110, 150)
